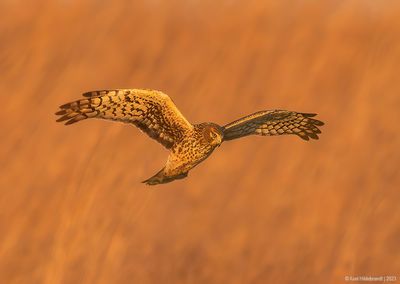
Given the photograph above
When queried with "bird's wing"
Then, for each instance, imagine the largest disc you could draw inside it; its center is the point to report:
(274, 122)
(152, 111)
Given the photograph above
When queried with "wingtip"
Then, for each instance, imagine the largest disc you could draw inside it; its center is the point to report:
(88, 94)
(304, 137)
(309, 114)
(69, 122)
(92, 94)
(313, 135)
(75, 119)
(65, 106)
(61, 119)
(60, 112)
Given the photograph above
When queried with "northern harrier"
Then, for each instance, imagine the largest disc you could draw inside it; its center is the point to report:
(189, 144)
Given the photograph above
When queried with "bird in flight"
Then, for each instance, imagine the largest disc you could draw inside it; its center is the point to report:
(189, 144)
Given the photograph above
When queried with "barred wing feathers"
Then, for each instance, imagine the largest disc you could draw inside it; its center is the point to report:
(274, 122)
(152, 111)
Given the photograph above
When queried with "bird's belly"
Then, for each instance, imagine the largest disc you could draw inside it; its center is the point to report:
(183, 160)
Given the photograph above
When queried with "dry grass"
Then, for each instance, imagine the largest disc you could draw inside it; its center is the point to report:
(260, 210)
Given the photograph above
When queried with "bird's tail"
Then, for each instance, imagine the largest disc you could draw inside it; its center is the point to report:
(160, 178)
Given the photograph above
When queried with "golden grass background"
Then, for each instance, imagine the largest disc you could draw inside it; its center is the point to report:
(260, 209)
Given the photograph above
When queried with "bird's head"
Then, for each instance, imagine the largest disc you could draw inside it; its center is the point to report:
(213, 134)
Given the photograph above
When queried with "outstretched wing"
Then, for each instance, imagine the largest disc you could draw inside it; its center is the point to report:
(274, 122)
(152, 111)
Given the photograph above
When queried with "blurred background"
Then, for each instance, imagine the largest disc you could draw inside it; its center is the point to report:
(260, 209)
